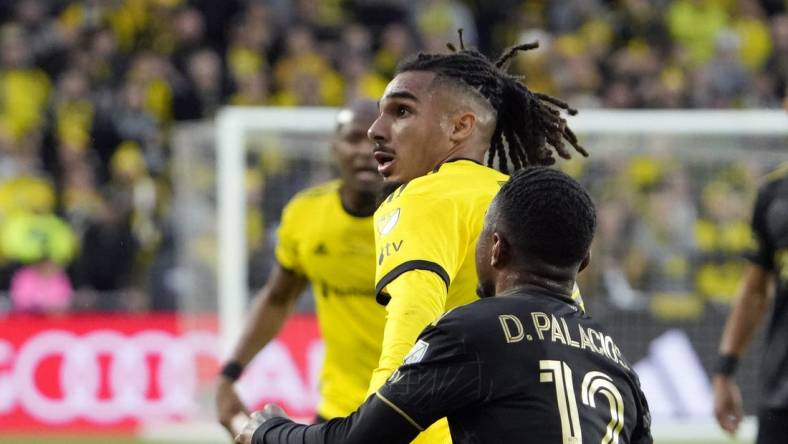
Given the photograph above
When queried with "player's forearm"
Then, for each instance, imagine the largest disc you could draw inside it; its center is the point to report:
(747, 311)
(372, 422)
(270, 308)
(417, 298)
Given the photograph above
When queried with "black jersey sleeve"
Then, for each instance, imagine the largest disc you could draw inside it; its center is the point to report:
(375, 421)
(441, 374)
(642, 432)
(762, 252)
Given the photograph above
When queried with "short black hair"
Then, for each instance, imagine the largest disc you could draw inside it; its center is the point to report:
(527, 122)
(546, 215)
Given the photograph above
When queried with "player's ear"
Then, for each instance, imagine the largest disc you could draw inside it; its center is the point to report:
(498, 251)
(585, 262)
(464, 125)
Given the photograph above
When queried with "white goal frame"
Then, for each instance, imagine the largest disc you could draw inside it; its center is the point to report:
(232, 122)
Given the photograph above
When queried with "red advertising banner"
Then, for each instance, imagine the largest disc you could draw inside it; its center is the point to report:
(114, 372)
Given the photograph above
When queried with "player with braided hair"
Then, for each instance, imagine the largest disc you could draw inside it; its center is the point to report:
(439, 117)
(526, 122)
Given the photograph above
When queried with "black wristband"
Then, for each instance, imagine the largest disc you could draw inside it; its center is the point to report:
(726, 365)
(232, 370)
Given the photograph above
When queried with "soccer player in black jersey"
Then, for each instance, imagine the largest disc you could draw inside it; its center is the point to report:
(524, 366)
(768, 263)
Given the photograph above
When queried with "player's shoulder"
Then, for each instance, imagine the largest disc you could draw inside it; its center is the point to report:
(774, 183)
(450, 182)
(418, 194)
(309, 196)
(470, 316)
(460, 174)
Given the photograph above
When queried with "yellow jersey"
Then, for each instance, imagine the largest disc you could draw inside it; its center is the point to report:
(334, 250)
(425, 239)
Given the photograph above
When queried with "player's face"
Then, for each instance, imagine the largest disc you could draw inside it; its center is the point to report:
(353, 153)
(408, 136)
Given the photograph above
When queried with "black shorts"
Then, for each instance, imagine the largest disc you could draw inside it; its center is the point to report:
(772, 426)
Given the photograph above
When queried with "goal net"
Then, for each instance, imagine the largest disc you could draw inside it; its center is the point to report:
(673, 189)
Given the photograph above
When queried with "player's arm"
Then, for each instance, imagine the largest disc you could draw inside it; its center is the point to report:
(375, 421)
(271, 307)
(746, 315)
(420, 240)
(642, 431)
(417, 298)
(747, 311)
(409, 402)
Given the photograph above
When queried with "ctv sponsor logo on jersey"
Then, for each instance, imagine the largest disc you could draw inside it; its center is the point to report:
(389, 249)
(555, 329)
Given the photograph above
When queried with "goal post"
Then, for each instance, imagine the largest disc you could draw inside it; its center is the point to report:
(232, 123)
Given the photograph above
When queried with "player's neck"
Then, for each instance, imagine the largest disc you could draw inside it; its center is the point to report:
(561, 283)
(357, 203)
(465, 151)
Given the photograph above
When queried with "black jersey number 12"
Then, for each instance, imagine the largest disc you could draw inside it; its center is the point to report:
(594, 382)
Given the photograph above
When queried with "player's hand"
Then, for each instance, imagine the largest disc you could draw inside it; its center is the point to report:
(727, 403)
(256, 420)
(229, 406)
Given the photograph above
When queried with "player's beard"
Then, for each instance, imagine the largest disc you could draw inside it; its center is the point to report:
(388, 188)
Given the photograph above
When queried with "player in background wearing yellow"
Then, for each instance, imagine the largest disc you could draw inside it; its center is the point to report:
(326, 239)
(439, 116)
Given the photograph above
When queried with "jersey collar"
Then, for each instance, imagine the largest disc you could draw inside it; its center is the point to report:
(531, 290)
(456, 159)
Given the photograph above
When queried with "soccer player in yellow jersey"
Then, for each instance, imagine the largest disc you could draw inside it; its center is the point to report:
(438, 118)
(326, 239)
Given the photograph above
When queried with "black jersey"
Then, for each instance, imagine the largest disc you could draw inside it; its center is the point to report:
(524, 367)
(770, 229)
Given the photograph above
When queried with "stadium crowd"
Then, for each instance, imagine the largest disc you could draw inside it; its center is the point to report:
(89, 91)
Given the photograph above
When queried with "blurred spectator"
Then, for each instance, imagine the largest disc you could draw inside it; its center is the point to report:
(726, 76)
(41, 287)
(29, 237)
(189, 33)
(304, 76)
(439, 20)
(778, 62)
(695, 24)
(24, 89)
(205, 92)
(396, 43)
(104, 270)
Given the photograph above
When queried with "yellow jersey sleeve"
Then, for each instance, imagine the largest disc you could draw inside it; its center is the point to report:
(417, 232)
(287, 243)
(407, 315)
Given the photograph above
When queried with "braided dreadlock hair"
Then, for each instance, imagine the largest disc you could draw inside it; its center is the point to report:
(547, 214)
(527, 124)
